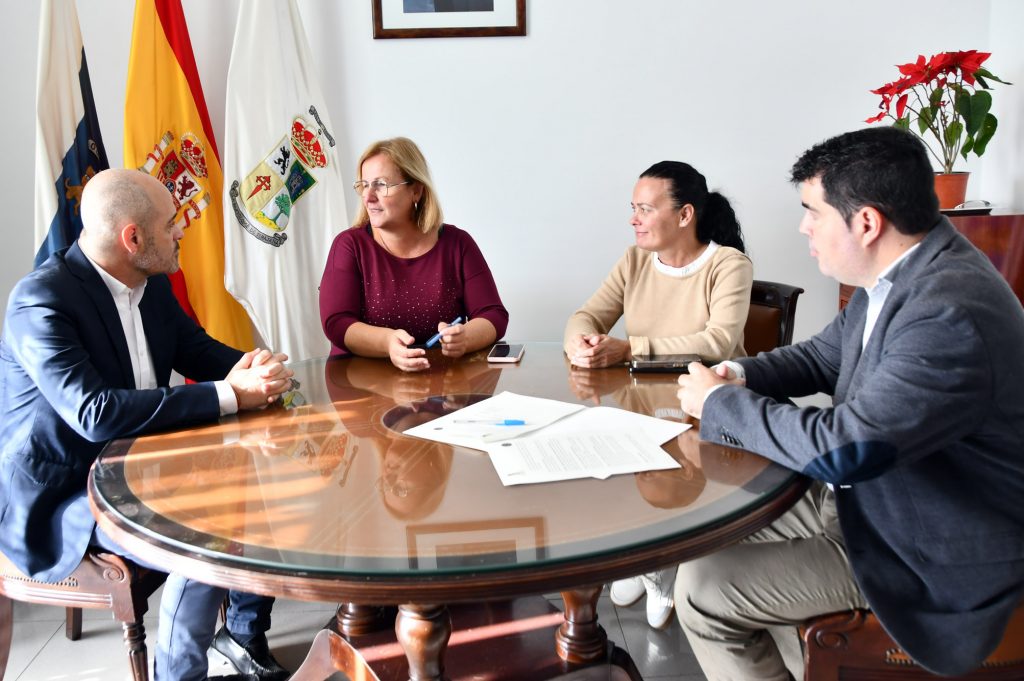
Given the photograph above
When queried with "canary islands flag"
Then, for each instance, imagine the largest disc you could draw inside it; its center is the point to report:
(69, 148)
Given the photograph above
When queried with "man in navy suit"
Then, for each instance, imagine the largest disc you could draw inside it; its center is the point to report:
(89, 342)
(922, 450)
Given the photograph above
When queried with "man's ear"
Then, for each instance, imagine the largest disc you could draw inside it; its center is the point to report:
(869, 223)
(130, 237)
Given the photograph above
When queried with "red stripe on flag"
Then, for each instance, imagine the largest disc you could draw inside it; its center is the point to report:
(172, 18)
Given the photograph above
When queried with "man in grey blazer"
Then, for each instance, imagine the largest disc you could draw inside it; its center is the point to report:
(922, 450)
(89, 342)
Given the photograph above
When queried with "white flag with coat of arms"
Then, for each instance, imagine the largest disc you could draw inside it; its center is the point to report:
(284, 197)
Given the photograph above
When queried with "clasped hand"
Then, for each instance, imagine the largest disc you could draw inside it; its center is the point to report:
(597, 350)
(259, 378)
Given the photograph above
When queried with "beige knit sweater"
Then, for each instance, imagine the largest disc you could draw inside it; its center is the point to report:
(702, 312)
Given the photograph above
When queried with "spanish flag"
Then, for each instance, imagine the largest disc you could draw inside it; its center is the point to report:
(167, 133)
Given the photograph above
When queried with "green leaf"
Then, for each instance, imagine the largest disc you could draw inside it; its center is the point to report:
(981, 81)
(988, 128)
(979, 104)
(936, 96)
(953, 132)
(987, 75)
(966, 149)
(925, 119)
(902, 123)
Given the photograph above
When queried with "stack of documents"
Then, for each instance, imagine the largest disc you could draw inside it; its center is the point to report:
(532, 439)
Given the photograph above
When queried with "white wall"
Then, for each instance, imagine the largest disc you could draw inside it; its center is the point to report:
(535, 142)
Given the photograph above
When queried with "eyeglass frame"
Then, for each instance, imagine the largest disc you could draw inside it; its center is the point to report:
(361, 186)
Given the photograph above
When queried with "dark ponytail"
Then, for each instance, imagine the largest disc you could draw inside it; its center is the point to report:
(716, 220)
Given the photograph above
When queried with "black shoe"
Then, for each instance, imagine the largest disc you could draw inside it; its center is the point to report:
(253, 659)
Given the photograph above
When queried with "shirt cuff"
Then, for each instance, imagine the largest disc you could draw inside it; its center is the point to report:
(226, 398)
(735, 367)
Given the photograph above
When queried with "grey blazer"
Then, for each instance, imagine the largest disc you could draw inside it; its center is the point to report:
(925, 444)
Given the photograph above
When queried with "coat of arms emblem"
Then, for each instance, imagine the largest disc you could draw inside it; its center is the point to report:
(181, 167)
(268, 193)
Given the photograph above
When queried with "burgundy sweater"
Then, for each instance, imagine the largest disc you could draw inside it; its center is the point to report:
(364, 283)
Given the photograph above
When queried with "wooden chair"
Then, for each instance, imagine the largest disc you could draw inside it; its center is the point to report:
(852, 646)
(770, 320)
(101, 580)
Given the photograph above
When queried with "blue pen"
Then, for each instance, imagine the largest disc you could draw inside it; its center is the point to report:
(432, 341)
(494, 422)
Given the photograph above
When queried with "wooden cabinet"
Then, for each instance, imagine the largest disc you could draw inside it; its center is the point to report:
(1000, 237)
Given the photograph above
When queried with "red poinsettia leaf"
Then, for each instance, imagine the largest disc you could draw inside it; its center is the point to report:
(875, 119)
(901, 105)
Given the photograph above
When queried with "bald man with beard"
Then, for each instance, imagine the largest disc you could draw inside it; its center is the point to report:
(89, 342)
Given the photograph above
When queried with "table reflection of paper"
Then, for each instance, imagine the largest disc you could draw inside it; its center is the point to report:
(560, 441)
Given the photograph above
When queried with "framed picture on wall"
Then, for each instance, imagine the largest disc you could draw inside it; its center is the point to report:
(448, 18)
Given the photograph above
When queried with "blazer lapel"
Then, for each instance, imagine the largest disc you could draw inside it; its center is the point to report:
(79, 266)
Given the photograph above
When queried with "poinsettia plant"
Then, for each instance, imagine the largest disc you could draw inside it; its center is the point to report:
(945, 97)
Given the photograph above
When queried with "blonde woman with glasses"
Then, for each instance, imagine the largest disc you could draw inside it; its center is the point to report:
(401, 276)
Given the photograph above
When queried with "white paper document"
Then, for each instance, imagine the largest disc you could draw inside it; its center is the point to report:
(557, 440)
(478, 424)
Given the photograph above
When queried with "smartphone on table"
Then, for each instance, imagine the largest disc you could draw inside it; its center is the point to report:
(506, 352)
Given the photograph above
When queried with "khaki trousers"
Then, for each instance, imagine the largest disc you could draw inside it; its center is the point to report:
(792, 570)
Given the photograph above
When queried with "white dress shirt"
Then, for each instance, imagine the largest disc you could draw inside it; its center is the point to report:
(127, 302)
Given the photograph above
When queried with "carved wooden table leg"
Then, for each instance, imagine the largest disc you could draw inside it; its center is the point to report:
(358, 620)
(581, 639)
(423, 631)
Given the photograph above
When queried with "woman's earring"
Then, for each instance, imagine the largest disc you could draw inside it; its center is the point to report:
(415, 205)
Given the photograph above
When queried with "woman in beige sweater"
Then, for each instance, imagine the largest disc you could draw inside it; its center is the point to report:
(683, 288)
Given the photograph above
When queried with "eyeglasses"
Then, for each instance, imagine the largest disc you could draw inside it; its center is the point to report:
(379, 187)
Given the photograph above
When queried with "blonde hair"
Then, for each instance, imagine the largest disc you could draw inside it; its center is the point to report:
(404, 153)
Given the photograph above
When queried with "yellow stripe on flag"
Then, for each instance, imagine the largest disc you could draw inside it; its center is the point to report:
(164, 135)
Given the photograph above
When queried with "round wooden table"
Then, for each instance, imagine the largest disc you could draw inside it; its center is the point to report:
(324, 499)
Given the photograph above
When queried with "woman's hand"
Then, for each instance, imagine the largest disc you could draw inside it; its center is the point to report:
(404, 357)
(453, 340)
(601, 350)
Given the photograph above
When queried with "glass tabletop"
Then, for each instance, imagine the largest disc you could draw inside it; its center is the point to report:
(327, 484)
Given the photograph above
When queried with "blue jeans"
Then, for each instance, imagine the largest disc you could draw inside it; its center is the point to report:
(188, 619)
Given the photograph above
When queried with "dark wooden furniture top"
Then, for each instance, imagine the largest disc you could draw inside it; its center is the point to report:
(1000, 237)
(331, 490)
(329, 501)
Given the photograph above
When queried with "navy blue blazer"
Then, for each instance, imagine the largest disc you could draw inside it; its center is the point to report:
(67, 388)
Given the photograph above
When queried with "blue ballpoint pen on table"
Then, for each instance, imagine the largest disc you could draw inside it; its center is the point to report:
(494, 422)
(432, 341)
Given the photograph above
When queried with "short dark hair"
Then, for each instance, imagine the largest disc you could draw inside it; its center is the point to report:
(716, 219)
(885, 168)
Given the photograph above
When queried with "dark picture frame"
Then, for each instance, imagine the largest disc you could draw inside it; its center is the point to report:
(391, 20)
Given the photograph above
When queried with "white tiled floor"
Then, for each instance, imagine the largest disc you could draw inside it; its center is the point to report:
(40, 652)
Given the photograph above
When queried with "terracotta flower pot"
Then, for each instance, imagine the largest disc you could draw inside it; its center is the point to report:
(951, 188)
